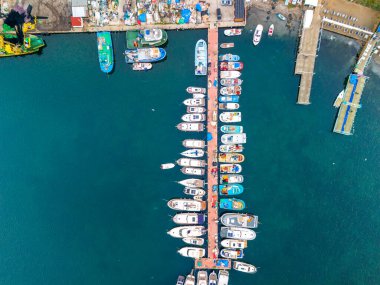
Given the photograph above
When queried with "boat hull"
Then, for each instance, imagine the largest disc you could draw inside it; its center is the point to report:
(239, 220)
(229, 99)
(230, 189)
(231, 178)
(105, 51)
(201, 58)
(144, 55)
(232, 204)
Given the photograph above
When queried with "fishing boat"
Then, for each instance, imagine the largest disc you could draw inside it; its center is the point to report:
(229, 99)
(194, 241)
(189, 218)
(180, 280)
(15, 44)
(230, 65)
(223, 277)
(230, 189)
(194, 191)
(230, 74)
(105, 51)
(167, 165)
(229, 106)
(193, 153)
(237, 233)
(193, 252)
(194, 102)
(232, 90)
(144, 55)
(192, 182)
(227, 45)
(197, 110)
(201, 58)
(193, 90)
(191, 162)
(193, 171)
(239, 220)
(190, 279)
(281, 17)
(187, 231)
(193, 143)
(230, 168)
(202, 277)
(244, 267)
(146, 38)
(232, 32)
(229, 57)
(231, 129)
(213, 278)
(191, 127)
(230, 117)
(232, 253)
(199, 96)
(231, 82)
(186, 205)
(231, 148)
(257, 35)
(194, 117)
(234, 243)
(231, 204)
(234, 138)
(231, 157)
(271, 30)
(141, 66)
(231, 178)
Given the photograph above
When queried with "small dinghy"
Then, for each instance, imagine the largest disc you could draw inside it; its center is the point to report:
(198, 198)
(191, 162)
(180, 280)
(194, 191)
(192, 183)
(199, 96)
(141, 66)
(234, 243)
(229, 106)
(281, 17)
(231, 148)
(193, 143)
(271, 30)
(239, 220)
(187, 231)
(193, 171)
(189, 218)
(230, 189)
(212, 279)
(230, 117)
(194, 117)
(197, 110)
(230, 74)
(227, 45)
(187, 205)
(232, 204)
(231, 178)
(230, 168)
(231, 82)
(194, 102)
(193, 252)
(231, 157)
(230, 65)
(232, 32)
(232, 253)
(194, 241)
(257, 35)
(229, 99)
(232, 90)
(191, 127)
(234, 138)
(192, 90)
(231, 129)
(202, 277)
(167, 165)
(237, 233)
(244, 267)
(193, 153)
(229, 57)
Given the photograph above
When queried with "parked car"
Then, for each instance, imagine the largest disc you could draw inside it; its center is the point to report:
(218, 14)
(226, 2)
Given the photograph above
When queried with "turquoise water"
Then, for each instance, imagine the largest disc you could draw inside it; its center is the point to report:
(83, 200)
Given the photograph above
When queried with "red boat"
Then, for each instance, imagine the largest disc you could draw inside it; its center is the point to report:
(231, 65)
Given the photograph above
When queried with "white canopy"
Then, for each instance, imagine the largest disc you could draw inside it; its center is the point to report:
(308, 18)
(311, 3)
(79, 11)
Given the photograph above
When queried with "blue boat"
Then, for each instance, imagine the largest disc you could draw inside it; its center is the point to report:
(144, 55)
(201, 58)
(229, 99)
(105, 51)
(230, 189)
(231, 204)
(229, 57)
(231, 129)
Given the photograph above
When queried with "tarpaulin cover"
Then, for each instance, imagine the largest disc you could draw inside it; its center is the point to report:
(142, 17)
(186, 13)
(198, 7)
(209, 136)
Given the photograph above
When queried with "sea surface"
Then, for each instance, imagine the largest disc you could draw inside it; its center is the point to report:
(83, 198)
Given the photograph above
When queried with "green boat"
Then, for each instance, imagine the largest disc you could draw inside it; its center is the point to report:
(10, 45)
(105, 51)
(146, 38)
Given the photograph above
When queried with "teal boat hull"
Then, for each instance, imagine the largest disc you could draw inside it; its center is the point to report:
(230, 189)
(231, 204)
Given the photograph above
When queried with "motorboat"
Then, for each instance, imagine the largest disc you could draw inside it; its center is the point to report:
(167, 165)
(191, 162)
(232, 253)
(223, 277)
(142, 66)
(193, 152)
(230, 74)
(229, 99)
(230, 189)
(213, 278)
(196, 110)
(229, 57)
(244, 267)
(271, 30)
(229, 106)
(231, 65)
(257, 34)
(237, 233)
(199, 96)
(191, 127)
(192, 90)
(194, 241)
(230, 117)
(194, 117)
(194, 191)
(192, 182)
(105, 49)
(193, 252)
(227, 45)
(230, 168)
(232, 90)
(231, 157)
(281, 17)
(187, 231)
(231, 129)
(189, 218)
(232, 32)
(144, 55)
(198, 198)
(194, 102)
(200, 58)
(146, 38)
(239, 220)
(202, 277)
(231, 82)
(234, 138)
(231, 148)
(190, 279)
(232, 204)
(187, 205)
(180, 280)
(234, 243)
(231, 178)
(193, 171)
(193, 143)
